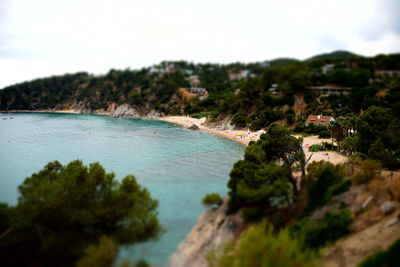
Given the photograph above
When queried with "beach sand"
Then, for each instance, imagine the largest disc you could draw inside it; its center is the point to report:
(230, 134)
(330, 156)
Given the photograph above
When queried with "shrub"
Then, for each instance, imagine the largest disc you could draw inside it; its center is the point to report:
(102, 255)
(300, 126)
(319, 179)
(329, 228)
(329, 146)
(259, 246)
(316, 148)
(212, 199)
(388, 258)
(324, 134)
(368, 168)
(336, 189)
(201, 114)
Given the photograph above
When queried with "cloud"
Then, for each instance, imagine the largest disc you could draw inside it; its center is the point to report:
(54, 37)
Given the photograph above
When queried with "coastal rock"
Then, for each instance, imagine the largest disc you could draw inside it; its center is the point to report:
(124, 111)
(193, 127)
(153, 115)
(213, 230)
(388, 207)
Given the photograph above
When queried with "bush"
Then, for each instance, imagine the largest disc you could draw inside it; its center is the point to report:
(316, 148)
(368, 171)
(319, 180)
(329, 146)
(336, 189)
(201, 114)
(324, 134)
(259, 246)
(300, 126)
(387, 258)
(212, 199)
(240, 120)
(329, 228)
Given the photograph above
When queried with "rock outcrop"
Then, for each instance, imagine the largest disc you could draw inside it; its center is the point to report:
(124, 111)
(213, 230)
(194, 127)
(153, 115)
(223, 122)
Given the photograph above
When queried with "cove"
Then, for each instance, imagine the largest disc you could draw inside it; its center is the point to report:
(177, 165)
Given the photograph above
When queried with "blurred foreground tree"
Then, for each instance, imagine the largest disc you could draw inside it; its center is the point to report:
(259, 246)
(64, 209)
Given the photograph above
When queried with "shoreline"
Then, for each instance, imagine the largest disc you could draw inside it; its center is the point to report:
(330, 156)
(229, 134)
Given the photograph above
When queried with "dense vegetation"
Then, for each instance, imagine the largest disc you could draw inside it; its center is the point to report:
(238, 90)
(260, 246)
(64, 211)
(269, 95)
(388, 258)
(253, 95)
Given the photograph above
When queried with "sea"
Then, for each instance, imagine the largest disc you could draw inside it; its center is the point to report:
(178, 166)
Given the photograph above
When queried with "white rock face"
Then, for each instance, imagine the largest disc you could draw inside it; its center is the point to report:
(213, 230)
(124, 111)
(152, 115)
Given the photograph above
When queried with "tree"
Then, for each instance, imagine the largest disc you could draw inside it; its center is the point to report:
(372, 125)
(64, 209)
(263, 181)
(319, 179)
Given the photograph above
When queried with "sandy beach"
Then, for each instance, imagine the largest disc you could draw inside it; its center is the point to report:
(330, 156)
(230, 134)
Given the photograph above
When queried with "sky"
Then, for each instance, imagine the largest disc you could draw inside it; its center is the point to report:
(40, 38)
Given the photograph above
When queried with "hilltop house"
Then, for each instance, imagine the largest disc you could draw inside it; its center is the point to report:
(194, 81)
(327, 68)
(330, 89)
(273, 88)
(319, 120)
(195, 89)
(240, 75)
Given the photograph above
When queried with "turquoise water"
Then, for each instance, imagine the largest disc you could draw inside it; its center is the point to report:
(177, 165)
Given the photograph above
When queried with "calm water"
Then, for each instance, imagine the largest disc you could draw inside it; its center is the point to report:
(177, 165)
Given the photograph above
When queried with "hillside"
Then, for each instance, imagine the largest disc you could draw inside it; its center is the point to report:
(339, 54)
(254, 94)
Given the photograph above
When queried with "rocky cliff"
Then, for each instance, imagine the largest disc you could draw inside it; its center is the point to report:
(213, 230)
(124, 111)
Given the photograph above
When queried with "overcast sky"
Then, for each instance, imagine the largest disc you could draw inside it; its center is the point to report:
(46, 37)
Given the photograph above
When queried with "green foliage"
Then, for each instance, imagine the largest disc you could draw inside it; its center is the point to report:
(387, 258)
(377, 151)
(329, 228)
(212, 199)
(290, 116)
(102, 255)
(319, 179)
(257, 183)
(74, 204)
(259, 246)
(300, 126)
(324, 134)
(336, 189)
(368, 171)
(316, 148)
(372, 125)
